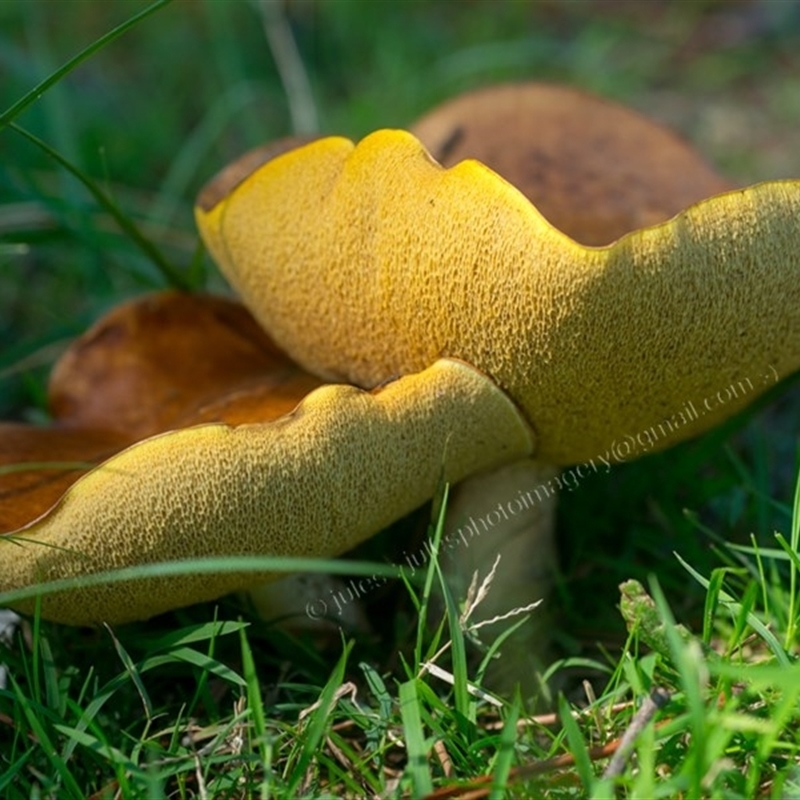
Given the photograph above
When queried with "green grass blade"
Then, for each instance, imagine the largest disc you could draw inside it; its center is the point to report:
(34, 94)
(463, 704)
(505, 752)
(47, 745)
(36, 653)
(791, 628)
(318, 722)
(191, 634)
(133, 674)
(744, 612)
(103, 749)
(256, 705)
(126, 224)
(690, 665)
(762, 576)
(106, 692)
(378, 689)
(577, 745)
(8, 778)
(755, 623)
(711, 603)
(426, 592)
(27, 466)
(416, 747)
(200, 566)
(52, 691)
(204, 662)
(496, 645)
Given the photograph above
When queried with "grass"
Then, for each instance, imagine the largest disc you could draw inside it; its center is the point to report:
(209, 702)
(186, 713)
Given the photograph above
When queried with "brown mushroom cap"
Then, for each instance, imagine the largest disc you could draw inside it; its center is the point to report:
(595, 170)
(153, 364)
(372, 260)
(156, 362)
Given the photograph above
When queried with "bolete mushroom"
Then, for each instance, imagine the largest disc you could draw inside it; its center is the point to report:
(479, 335)
(370, 260)
(314, 481)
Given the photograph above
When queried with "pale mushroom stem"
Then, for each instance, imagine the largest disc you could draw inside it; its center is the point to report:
(509, 512)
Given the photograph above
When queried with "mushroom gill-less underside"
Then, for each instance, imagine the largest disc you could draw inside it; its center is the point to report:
(314, 482)
(371, 260)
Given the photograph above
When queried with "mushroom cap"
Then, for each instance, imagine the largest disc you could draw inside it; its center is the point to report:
(594, 169)
(369, 261)
(168, 360)
(311, 482)
(153, 364)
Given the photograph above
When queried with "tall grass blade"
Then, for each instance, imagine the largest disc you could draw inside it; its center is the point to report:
(505, 752)
(426, 591)
(752, 620)
(34, 94)
(318, 723)
(126, 224)
(70, 785)
(201, 566)
(577, 745)
(791, 628)
(416, 747)
(256, 706)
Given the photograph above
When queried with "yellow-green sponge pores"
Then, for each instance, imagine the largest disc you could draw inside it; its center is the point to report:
(315, 482)
(371, 260)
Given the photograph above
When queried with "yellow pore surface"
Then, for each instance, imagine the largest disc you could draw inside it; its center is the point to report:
(316, 482)
(369, 261)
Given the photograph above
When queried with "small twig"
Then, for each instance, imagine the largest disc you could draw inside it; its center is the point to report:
(478, 789)
(546, 720)
(339, 755)
(345, 689)
(444, 757)
(641, 719)
(201, 784)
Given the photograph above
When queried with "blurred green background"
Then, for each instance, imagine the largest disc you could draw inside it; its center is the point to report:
(155, 114)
